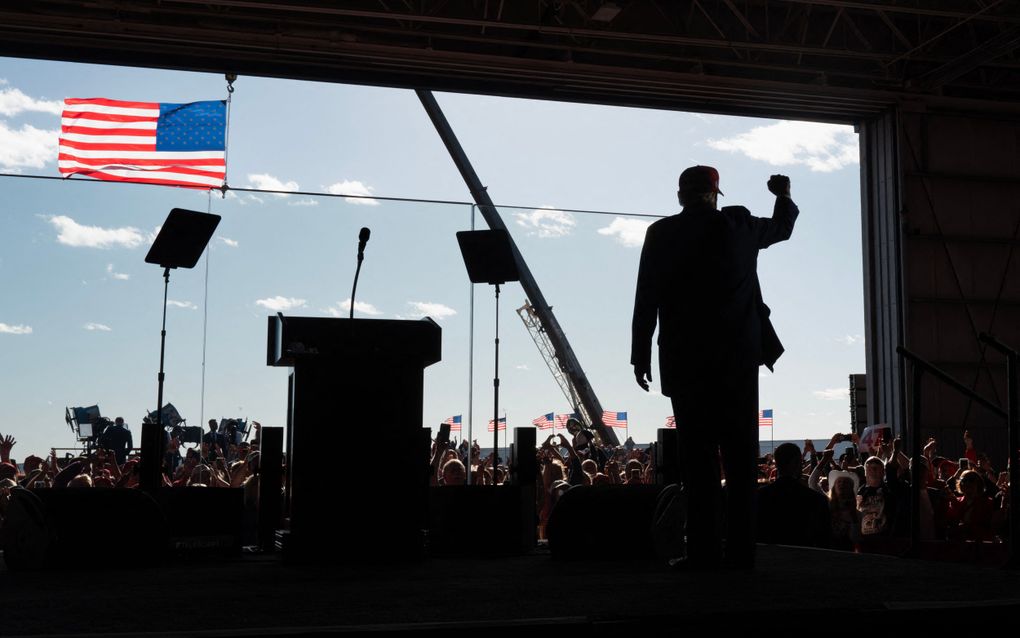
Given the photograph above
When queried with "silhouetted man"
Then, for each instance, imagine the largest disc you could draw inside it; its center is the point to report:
(117, 437)
(790, 512)
(698, 278)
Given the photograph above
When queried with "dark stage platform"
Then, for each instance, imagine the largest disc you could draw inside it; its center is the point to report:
(258, 595)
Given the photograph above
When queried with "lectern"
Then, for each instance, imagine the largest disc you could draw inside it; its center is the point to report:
(356, 469)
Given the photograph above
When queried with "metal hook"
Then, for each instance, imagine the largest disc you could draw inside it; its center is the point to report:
(231, 77)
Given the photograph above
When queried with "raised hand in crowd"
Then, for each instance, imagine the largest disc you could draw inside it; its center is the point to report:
(6, 443)
(809, 449)
(836, 438)
(929, 448)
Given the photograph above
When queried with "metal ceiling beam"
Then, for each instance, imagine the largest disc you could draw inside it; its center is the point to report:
(985, 52)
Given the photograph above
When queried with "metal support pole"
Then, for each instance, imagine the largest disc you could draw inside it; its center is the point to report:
(1013, 437)
(1013, 409)
(152, 440)
(495, 398)
(915, 476)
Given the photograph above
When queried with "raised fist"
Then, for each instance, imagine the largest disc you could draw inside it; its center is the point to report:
(779, 185)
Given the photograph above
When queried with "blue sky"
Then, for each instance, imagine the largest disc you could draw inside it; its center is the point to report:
(80, 310)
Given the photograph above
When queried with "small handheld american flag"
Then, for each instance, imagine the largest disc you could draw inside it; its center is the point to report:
(614, 419)
(561, 419)
(543, 422)
(671, 422)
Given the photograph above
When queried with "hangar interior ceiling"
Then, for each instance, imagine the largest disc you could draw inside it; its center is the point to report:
(932, 84)
(824, 59)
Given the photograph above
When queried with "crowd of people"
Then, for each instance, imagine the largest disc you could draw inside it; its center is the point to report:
(862, 501)
(112, 462)
(856, 502)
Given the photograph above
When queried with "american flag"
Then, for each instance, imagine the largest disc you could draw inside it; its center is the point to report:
(151, 142)
(543, 422)
(765, 418)
(502, 423)
(614, 419)
(671, 422)
(561, 419)
(454, 422)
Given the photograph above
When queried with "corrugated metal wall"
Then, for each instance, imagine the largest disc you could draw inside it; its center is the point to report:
(942, 198)
(880, 203)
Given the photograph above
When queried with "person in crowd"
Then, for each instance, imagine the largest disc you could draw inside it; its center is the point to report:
(876, 503)
(790, 512)
(972, 515)
(841, 492)
(454, 472)
(697, 280)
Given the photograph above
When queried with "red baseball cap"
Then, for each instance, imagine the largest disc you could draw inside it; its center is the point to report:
(701, 179)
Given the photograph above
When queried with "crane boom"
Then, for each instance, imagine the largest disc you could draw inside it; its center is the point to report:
(591, 409)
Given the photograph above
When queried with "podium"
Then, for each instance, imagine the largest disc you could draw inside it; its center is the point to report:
(357, 465)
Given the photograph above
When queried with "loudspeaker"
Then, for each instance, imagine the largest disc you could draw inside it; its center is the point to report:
(587, 518)
(270, 506)
(477, 520)
(667, 457)
(204, 521)
(523, 459)
(70, 528)
(858, 402)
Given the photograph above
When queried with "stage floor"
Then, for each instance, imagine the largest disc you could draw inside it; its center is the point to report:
(260, 595)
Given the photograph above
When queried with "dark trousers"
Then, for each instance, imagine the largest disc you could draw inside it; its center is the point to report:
(717, 420)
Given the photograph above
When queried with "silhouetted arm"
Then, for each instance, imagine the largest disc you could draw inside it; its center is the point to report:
(779, 227)
(646, 311)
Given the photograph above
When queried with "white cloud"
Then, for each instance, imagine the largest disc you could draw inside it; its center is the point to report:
(850, 339)
(832, 394)
(26, 147)
(13, 102)
(353, 187)
(280, 304)
(343, 309)
(97, 326)
(253, 198)
(627, 231)
(264, 181)
(307, 201)
(181, 304)
(430, 309)
(820, 147)
(547, 222)
(230, 242)
(523, 366)
(71, 233)
(116, 275)
(15, 330)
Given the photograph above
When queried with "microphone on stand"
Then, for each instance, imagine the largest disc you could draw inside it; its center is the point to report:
(362, 240)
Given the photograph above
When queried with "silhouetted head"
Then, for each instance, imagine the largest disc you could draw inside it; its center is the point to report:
(699, 185)
(788, 460)
(971, 484)
(212, 425)
(874, 471)
(454, 473)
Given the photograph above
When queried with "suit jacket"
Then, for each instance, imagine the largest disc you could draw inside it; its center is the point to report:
(698, 279)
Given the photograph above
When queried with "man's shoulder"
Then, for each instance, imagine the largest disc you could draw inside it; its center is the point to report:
(735, 212)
